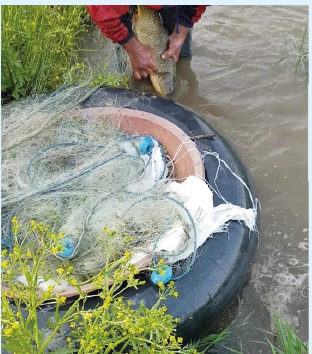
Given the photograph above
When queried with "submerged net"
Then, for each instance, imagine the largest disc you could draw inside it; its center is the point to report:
(79, 174)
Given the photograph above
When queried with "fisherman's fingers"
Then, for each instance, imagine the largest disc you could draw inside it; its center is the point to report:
(137, 75)
(143, 62)
(174, 53)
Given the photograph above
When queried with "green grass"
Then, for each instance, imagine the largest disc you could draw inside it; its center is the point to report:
(286, 340)
(40, 51)
(289, 341)
(299, 50)
(211, 340)
(38, 46)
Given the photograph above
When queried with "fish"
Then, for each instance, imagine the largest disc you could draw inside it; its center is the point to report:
(148, 28)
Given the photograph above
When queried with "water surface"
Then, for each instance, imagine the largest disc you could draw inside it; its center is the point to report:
(233, 81)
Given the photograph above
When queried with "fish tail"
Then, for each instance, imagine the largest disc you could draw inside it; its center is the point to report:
(139, 7)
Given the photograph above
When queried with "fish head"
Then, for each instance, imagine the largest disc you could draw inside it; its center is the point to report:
(164, 83)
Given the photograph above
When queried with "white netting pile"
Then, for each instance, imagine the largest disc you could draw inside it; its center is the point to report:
(81, 175)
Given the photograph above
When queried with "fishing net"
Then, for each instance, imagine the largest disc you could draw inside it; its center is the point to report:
(82, 176)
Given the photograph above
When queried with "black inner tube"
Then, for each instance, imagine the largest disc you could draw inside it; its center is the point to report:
(223, 263)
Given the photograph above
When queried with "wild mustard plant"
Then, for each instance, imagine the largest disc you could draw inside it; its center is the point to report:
(38, 46)
(114, 326)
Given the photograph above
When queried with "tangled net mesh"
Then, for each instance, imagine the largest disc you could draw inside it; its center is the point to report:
(72, 173)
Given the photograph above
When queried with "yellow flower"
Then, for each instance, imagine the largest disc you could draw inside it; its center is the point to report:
(164, 308)
(93, 343)
(60, 270)
(87, 316)
(15, 325)
(73, 282)
(4, 264)
(72, 325)
(55, 250)
(8, 331)
(4, 253)
(68, 339)
(175, 294)
(160, 284)
(127, 254)
(172, 338)
(154, 324)
(180, 340)
(62, 299)
(52, 236)
(50, 288)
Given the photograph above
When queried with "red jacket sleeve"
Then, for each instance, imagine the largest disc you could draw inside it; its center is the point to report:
(114, 21)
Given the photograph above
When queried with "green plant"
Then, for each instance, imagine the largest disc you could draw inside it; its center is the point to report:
(288, 338)
(300, 50)
(38, 45)
(112, 326)
(80, 73)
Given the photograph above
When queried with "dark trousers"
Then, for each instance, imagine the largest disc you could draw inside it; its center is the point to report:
(169, 19)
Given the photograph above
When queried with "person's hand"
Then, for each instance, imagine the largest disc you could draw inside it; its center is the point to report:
(142, 58)
(176, 41)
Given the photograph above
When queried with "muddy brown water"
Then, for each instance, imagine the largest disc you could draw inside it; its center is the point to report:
(261, 107)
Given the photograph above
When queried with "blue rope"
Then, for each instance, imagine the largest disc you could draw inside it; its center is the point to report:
(33, 158)
(8, 240)
(66, 145)
(177, 15)
(60, 89)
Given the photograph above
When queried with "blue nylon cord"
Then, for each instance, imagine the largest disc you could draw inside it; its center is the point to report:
(58, 185)
(177, 14)
(8, 240)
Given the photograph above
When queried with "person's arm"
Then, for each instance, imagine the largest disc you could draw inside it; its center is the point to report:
(187, 16)
(114, 21)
